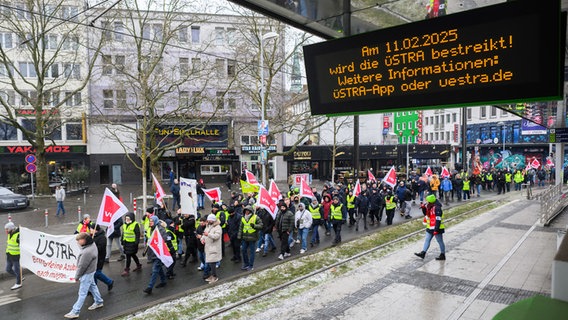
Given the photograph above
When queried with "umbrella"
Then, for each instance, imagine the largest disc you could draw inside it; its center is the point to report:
(537, 307)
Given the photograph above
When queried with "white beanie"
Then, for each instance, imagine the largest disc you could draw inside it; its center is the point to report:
(10, 226)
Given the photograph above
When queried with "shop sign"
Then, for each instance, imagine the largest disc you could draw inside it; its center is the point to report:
(190, 150)
(302, 155)
(48, 149)
(205, 136)
(256, 149)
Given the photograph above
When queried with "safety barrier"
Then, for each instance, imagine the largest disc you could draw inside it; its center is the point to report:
(552, 202)
(560, 272)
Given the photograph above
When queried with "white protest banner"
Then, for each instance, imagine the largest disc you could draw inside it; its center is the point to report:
(188, 195)
(50, 257)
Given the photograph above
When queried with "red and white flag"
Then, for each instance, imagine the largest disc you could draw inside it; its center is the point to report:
(305, 190)
(160, 194)
(357, 189)
(274, 192)
(445, 172)
(213, 194)
(549, 163)
(111, 210)
(370, 176)
(429, 172)
(535, 164)
(160, 248)
(251, 178)
(390, 178)
(267, 202)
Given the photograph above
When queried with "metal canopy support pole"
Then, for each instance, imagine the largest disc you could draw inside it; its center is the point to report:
(559, 155)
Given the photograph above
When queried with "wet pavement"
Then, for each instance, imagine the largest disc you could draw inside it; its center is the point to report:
(493, 260)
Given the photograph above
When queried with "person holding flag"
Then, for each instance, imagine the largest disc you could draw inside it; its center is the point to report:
(13, 253)
(85, 225)
(157, 265)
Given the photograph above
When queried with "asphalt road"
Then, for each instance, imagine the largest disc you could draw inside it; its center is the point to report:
(49, 300)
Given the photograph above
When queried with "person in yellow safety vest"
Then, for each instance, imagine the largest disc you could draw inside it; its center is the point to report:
(466, 187)
(390, 206)
(249, 232)
(13, 253)
(316, 209)
(130, 241)
(518, 178)
(489, 181)
(85, 225)
(508, 180)
(338, 216)
(172, 238)
(351, 207)
(146, 223)
(434, 226)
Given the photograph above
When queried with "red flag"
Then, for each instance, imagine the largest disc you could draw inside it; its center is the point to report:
(549, 162)
(251, 178)
(274, 192)
(535, 164)
(213, 194)
(160, 194)
(357, 189)
(370, 176)
(428, 172)
(267, 202)
(160, 248)
(305, 190)
(390, 178)
(111, 210)
(445, 172)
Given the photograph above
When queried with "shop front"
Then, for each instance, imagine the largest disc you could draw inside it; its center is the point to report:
(250, 160)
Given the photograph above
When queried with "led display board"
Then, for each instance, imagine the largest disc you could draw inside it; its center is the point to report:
(503, 53)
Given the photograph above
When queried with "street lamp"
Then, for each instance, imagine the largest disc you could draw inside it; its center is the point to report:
(502, 124)
(264, 37)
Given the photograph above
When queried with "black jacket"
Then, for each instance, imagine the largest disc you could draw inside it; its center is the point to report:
(101, 243)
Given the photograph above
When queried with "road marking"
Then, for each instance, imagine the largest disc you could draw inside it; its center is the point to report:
(9, 298)
(471, 298)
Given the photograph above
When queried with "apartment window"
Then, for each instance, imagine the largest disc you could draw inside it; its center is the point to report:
(118, 31)
(431, 119)
(182, 34)
(469, 113)
(398, 114)
(23, 12)
(4, 71)
(8, 132)
(183, 67)
(50, 42)
(482, 112)
(108, 99)
(195, 34)
(397, 126)
(249, 140)
(146, 31)
(51, 98)
(504, 113)
(6, 40)
(232, 103)
(219, 36)
(220, 67)
(74, 131)
(447, 136)
(437, 136)
(106, 30)
(183, 99)
(158, 32)
(54, 129)
(69, 12)
(231, 68)
(70, 43)
(437, 119)
(403, 126)
(493, 112)
(27, 70)
(232, 36)
(119, 62)
(220, 100)
(28, 98)
(448, 118)
(409, 124)
(72, 70)
(8, 96)
(454, 117)
(72, 99)
(426, 118)
(196, 97)
(107, 64)
(196, 64)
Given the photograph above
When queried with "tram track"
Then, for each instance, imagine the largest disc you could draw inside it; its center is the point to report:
(225, 309)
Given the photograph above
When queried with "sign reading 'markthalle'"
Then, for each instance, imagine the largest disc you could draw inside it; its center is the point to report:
(210, 135)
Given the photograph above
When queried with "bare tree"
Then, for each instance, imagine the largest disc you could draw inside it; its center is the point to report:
(44, 67)
(338, 123)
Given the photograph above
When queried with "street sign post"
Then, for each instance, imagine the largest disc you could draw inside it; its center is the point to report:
(31, 168)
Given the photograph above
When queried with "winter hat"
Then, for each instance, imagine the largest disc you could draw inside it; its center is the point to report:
(169, 221)
(301, 206)
(431, 198)
(10, 226)
(249, 208)
(85, 216)
(211, 217)
(282, 204)
(150, 210)
(156, 220)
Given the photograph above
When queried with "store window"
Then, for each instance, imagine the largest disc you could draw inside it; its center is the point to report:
(214, 169)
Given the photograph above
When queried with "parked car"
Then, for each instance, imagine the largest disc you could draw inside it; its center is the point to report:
(10, 200)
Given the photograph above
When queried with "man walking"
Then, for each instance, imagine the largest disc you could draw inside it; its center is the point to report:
(249, 234)
(86, 267)
(434, 226)
(13, 253)
(338, 216)
(60, 197)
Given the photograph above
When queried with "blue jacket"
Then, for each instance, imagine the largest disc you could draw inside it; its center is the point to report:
(446, 185)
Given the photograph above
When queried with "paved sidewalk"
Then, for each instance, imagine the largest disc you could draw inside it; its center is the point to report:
(493, 260)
